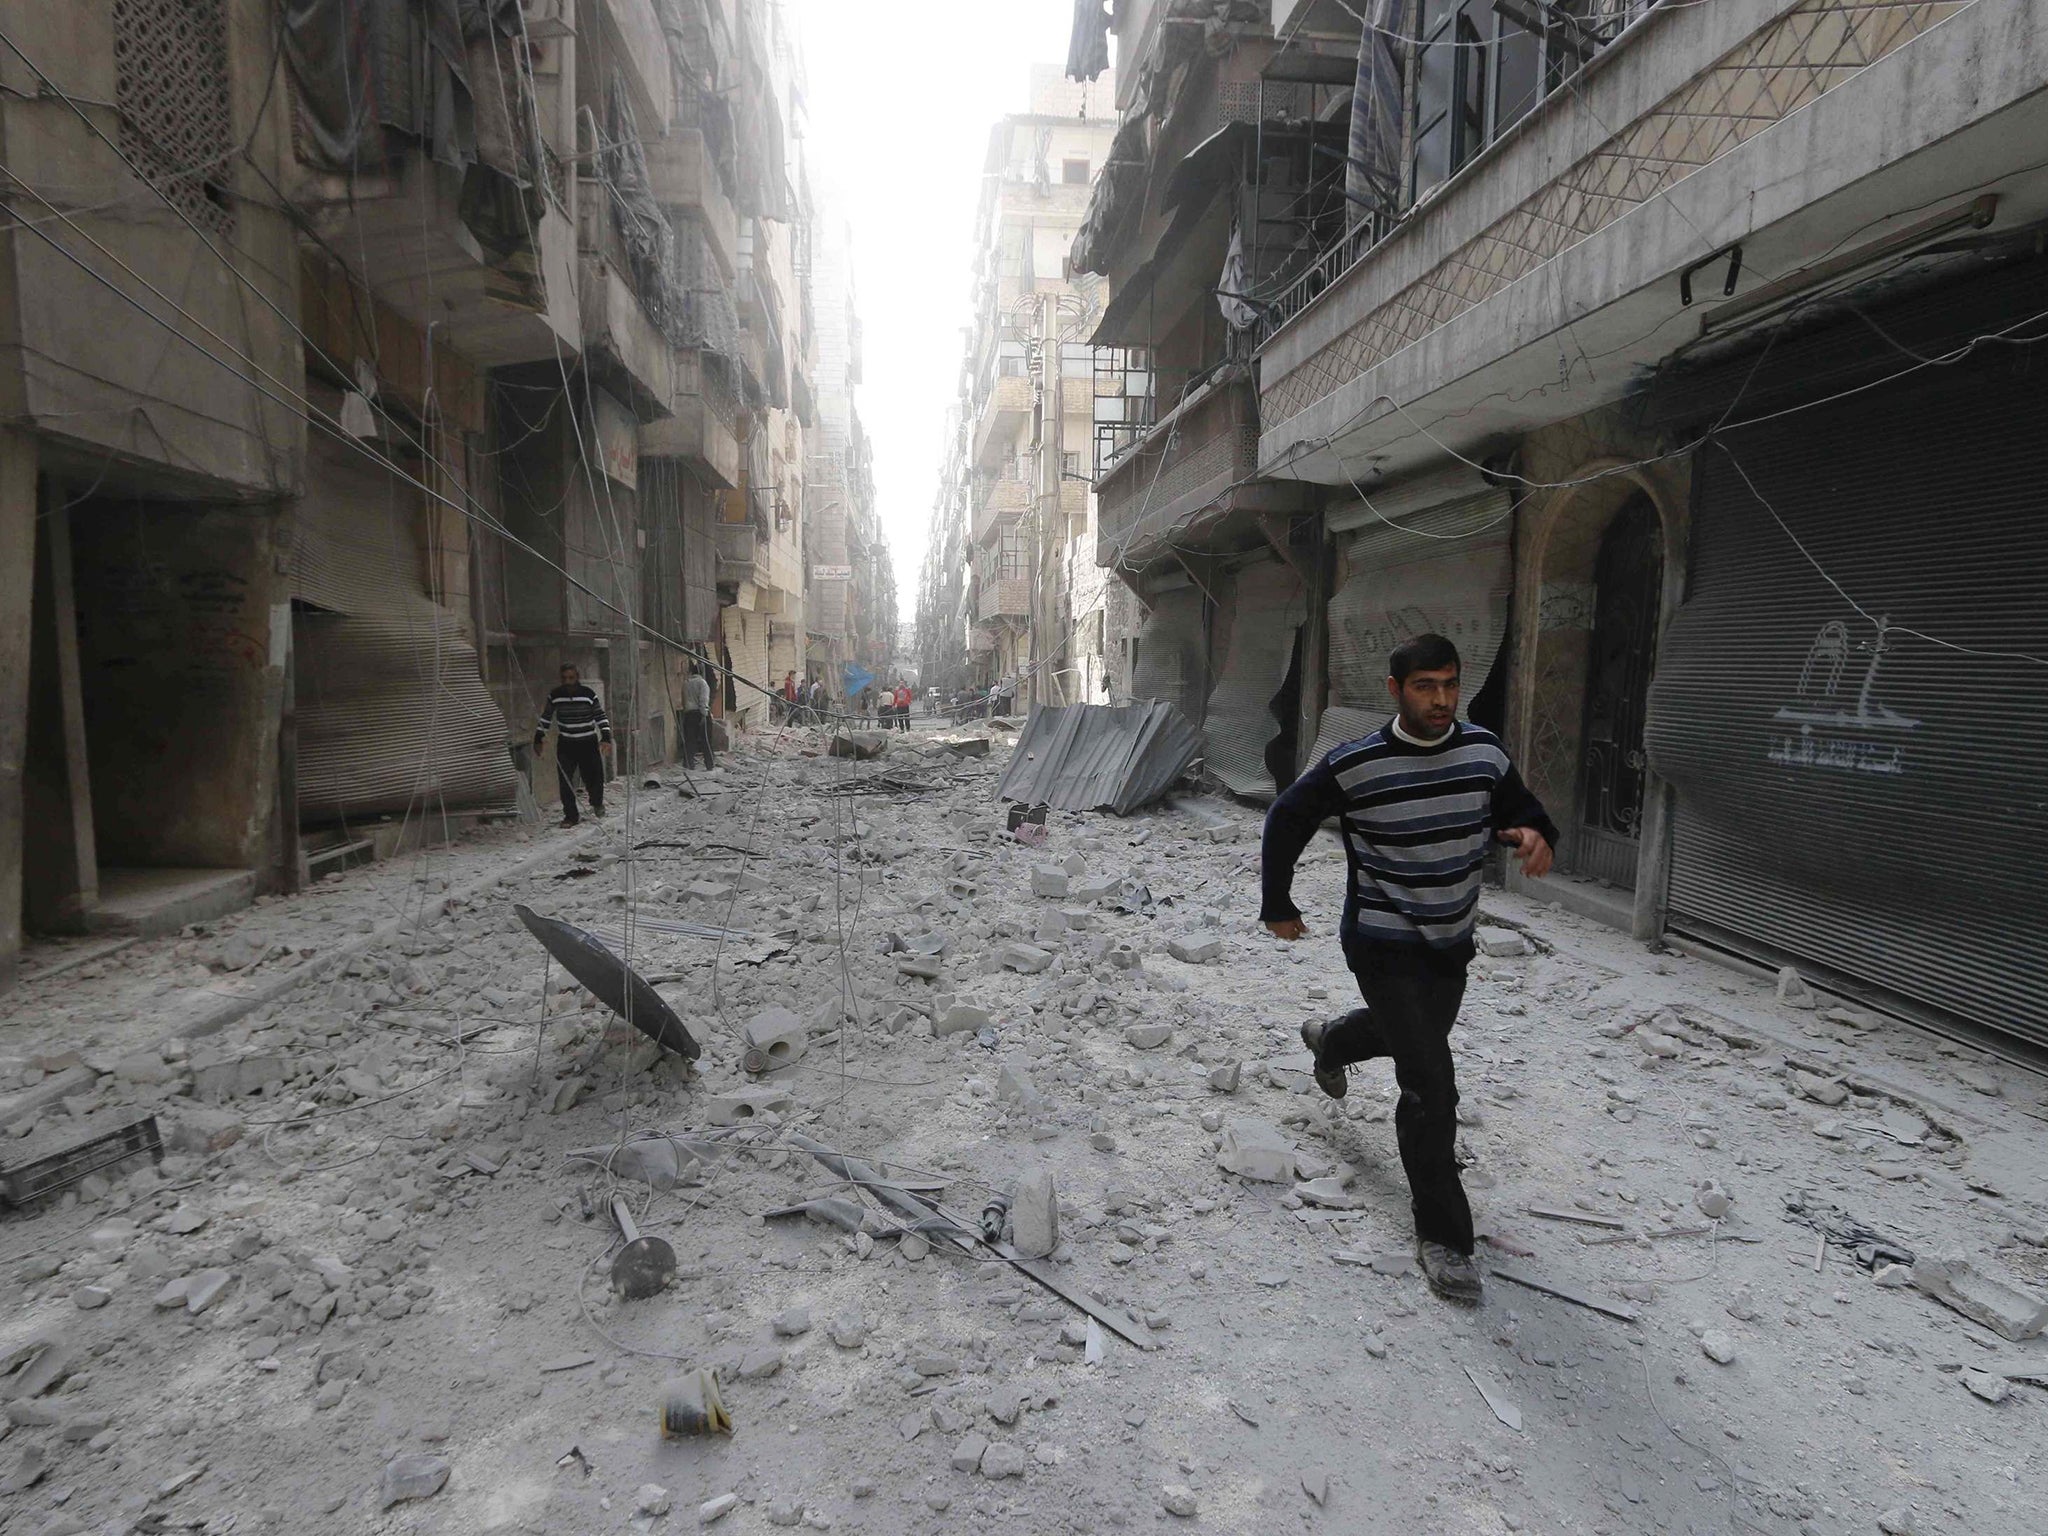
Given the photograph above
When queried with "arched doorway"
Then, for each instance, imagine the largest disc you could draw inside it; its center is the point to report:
(1604, 839)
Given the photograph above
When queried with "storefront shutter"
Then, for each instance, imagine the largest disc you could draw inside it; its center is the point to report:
(1172, 653)
(1853, 700)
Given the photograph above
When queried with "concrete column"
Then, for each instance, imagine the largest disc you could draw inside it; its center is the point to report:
(1315, 646)
(17, 564)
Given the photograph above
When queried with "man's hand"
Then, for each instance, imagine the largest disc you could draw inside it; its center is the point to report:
(1289, 929)
(1531, 848)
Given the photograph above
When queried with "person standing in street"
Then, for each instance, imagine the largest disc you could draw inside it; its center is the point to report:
(1419, 803)
(789, 695)
(697, 717)
(901, 699)
(816, 701)
(583, 742)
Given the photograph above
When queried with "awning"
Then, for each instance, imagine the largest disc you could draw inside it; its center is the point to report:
(1138, 288)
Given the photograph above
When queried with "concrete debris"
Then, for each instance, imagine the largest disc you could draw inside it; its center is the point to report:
(1982, 1384)
(1496, 1398)
(742, 1106)
(1002, 1459)
(713, 1510)
(1793, 991)
(1317, 1486)
(859, 745)
(1825, 1091)
(961, 1018)
(968, 1451)
(1224, 1079)
(792, 1324)
(1717, 1346)
(1952, 1279)
(411, 1475)
(1028, 959)
(1049, 882)
(1035, 1215)
(651, 1499)
(1500, 943)
(1713, 1201)
(1253, 1149)
(777, 1036)
(1195, 951)
(1147, 1036)
(1178, 1500)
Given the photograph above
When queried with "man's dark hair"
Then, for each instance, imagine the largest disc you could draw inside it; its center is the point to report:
(1422, 653)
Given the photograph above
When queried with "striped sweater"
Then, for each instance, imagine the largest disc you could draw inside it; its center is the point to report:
(574, 710)
(1417, 823)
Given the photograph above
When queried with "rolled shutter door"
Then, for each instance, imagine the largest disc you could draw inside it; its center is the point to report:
(1449, 569)
(1172, 653)
(1852, 796)
(746, 640)
(393, 716)
(1266, 609)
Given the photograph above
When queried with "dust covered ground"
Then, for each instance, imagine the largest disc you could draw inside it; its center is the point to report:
(375, 1262)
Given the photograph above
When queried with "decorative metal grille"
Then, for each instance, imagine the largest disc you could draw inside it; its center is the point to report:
(171, 90)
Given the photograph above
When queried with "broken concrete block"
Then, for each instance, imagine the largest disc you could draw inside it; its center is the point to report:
(411, 1475)
(1026, 958)
(859, 745)
(1822, 1090)
(651, 1499)
(737, 1106)
(1325, 1192)
(849, 1330)
(1014, 1085)
(1793, 991)
(1178, 1500)
(173, 1293)
(777, 1034)
(1194, 951)
(1049, 881)
(90, 1298)
(961, 1018)
(1080, 919)
(1950, 1278)
(1147, 1036)
(1253, 1149)
(199, 1128)
(1123, 956)
(1224, 1079)
(651, 1161)
(968, 1453)
(1002, 1460)
(717, 1509)
(1500, 943)
(792, 1324)
(1717, 1346)
(1093, 887)
(1035, 1215)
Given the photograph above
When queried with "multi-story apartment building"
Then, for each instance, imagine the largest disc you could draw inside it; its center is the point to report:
(1017, 508)
(359, 375)
(1672, 359)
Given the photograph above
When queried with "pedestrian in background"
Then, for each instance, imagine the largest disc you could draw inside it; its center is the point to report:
(697, 718)
(583, 742)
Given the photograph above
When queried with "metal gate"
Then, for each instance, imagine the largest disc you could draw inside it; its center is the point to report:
(1266, 607)
(1853, 701)
(1172, 662)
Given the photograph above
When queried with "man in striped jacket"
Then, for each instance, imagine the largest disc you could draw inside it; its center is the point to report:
(1419, 802)
(583, 740)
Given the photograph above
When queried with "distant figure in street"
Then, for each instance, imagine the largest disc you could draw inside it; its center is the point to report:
(790, 695)
(696, 718)
(1420, 800)
(902, 701)
(583, 742)
(816, 700)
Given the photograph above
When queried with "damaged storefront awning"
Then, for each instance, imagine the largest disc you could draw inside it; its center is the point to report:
(1099, 757)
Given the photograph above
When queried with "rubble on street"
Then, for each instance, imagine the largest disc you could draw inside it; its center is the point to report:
(1773, 1265)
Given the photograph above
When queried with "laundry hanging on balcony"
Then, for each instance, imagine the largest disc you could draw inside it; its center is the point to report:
(1372, 174)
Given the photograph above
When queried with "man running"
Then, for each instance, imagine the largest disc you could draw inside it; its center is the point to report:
(583, 742)
(1420, 800)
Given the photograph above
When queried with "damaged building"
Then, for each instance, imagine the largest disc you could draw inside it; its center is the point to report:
(1553, 329)
(369, 361)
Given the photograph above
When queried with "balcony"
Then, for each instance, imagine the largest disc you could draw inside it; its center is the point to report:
(701, 428)
(638, 49)
(1008, 597)
(739, 552)
(996, 502)
(980, 640)
(626, 353)
(1189, 475)
(1000, 412)
(685, 180)
(1074, 504)
(403, 235)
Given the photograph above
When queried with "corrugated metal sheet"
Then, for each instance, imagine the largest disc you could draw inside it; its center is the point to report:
(1853, 798)
(1099, 757)
(1266, 609)
(392, 711)
(1447, 568)
(1172, 664)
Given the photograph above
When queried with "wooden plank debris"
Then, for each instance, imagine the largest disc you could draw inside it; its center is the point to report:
(1562, 1292)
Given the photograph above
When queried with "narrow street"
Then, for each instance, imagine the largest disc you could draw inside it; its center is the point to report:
(379, 1246)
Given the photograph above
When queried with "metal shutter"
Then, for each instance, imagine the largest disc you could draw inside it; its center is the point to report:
(1267, 606)
(1172, 660)
(1851, 797)
(746, 641)
(1447, 568)
(393, 716)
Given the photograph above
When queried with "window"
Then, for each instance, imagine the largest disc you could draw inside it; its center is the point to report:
(1434, 68)
(1070, 466)
(1074, 172)
(1011, 362)
(1077, 360)
(1468, 99)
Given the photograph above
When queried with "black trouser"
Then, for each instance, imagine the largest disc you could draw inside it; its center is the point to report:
(574, 755)
(1410, 1006)
(696, 737)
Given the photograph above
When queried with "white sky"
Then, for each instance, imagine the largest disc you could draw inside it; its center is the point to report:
(902, 95)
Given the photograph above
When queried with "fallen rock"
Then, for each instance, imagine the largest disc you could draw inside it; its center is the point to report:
(859, 745)
(1253, 1149)
(1195, 951)
(1147, 1036)
(411, 1475)
(1951, 1279)
(793, 1323)
(651, 1499)
(1224, 1079)
(1035, 1215)
(1049, 882)
(1028, 959)
(1500, 943)
(849, 1330)
(1178, 1500)
(1822, 1090)
(968, 1453)
(718, 1508)
(1717, 1346)
(1002, 1459)
(1712, 1200)
(737, 1106)
(1793, 991)
(1327, 1193)
(962, 1018)
(1993, 1389)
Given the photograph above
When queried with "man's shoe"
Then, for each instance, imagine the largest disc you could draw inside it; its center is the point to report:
(571, 821)
(1451, 1274)
(1328, 1078)
(598, 812)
